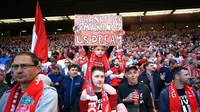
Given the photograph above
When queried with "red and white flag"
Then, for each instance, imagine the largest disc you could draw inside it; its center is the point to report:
(39, 37)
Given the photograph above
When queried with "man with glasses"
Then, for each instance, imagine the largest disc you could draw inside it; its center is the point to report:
(30, 93)
(65, 69)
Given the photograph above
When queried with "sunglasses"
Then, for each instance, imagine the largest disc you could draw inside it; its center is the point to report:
(23, 66)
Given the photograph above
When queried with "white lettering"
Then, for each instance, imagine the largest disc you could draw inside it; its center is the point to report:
(119, 39)
(86, 28)
(94, 38)
(105, 39)
(92, 106)
(78, 40)
(100, 39)
(92, 110)
(173, 93)
(100, 27)
(112, 40)
(79, 19)
(86, 39)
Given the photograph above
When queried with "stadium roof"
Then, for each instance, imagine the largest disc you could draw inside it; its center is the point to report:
(11, 9)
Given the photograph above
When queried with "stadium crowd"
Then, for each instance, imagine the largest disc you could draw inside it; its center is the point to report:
(158, 60)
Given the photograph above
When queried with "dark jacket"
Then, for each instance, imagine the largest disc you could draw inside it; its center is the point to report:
(164, 100)
(168, 74)
(158, 83)
(145, 103)
(3, 88)
(69, 91)
(10, 81)
(56, 78)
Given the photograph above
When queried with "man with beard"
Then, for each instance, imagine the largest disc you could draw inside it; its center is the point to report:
(179, 96)
(117, 74)
(154, 80)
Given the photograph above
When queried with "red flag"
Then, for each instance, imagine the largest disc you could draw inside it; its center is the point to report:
(39, 37)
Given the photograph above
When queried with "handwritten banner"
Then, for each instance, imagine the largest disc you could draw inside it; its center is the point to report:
(93, 30)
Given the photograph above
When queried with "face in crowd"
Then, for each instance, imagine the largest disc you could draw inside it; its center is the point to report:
(24, 69)
(166, 62)
(150, 67)
(116, 62)
(67, 63)
(2, 76)
(173, 64)
(132, 75)
(53, 61)
(184, 77)
(73, 71)
(56, 71)
(99, 51)
(98, 79)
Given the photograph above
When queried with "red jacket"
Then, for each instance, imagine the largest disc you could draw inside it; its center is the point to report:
(117, 71)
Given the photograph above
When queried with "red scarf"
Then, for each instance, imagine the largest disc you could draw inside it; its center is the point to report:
(174, 101)
(25, 101)
(92, 105)
(91, 62)
(88, 85)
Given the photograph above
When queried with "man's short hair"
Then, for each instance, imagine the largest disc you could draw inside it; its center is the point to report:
(33, 57)
(56, 67)
(172, 61)
(147, 64)
(72, 66)
(131, 68)
(115, 59)
(52, 59)
(97, 68)
(177, 70)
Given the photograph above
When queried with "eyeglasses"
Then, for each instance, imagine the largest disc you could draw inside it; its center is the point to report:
(23, 66)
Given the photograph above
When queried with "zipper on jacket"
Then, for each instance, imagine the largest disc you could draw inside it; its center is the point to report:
(71, 92)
